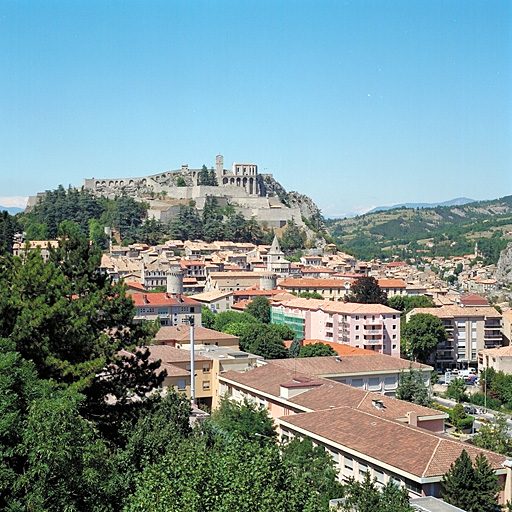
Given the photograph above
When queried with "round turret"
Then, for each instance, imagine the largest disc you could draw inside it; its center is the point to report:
(268, 281)
(175, 280)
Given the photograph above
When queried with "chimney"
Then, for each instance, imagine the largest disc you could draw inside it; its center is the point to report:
(412, 418)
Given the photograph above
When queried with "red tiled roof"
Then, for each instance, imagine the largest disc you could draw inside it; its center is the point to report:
(391, 283)
(414, 450)
(162, 299)
(182, 333)
(340, 348)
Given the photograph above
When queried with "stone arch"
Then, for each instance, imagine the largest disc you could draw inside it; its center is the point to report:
(130, 182)
(104, 183)
(121, 183)
(110, 183)
(143, 181)
(251, 186)
(98, 183)
(225, 181)
(238, 182)
(232, 181)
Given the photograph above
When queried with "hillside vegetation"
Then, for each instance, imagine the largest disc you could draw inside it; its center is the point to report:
(440, 231)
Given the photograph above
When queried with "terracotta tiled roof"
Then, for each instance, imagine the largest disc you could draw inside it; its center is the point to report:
(498, 352)
(340, 348)
(162, 299)
(410, 449)
(346, 308)
(325, 393)
(352, 364)
(391, 283)
(311, 283)
(171, 355)
(457, 311)
(182, 333)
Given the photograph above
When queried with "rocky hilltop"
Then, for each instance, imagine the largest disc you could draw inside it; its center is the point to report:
(503, 271)
(250, 193)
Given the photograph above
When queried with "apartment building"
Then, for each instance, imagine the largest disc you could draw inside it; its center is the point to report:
(363, 432)
(469, 329)
(167, 308)
(371, 326)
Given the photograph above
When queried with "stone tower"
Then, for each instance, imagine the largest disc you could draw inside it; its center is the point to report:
(219, 168)
(268, 281)
(174, 281)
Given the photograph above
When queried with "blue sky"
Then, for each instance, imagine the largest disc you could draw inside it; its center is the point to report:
(355, 103)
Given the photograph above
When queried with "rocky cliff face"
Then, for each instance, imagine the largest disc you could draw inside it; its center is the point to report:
(293, 199)
(503, 271)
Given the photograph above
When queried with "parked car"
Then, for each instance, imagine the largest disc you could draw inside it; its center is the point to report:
(470, 409)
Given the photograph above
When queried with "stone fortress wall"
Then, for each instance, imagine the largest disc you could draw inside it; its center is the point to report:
(242, 186)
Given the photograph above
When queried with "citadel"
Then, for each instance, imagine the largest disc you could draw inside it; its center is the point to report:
(250, 193)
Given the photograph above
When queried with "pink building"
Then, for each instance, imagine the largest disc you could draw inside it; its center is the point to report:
(370, 326)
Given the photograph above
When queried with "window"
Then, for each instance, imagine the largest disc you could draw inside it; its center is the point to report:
(357, 327)
(394, 317)
(373, 383)
(349, 463)
(206, 368)
(357, 383)
(206, 385)
(363, 469)
(182, 384)
(394, 336)
(379, 475)
(357, 336)
(357, 317)
(394, 347)
(394, 326)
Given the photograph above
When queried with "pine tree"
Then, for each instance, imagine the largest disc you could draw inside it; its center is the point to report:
(459, 483)
(486, 486)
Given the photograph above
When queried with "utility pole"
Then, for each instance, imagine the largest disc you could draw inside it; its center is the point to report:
(190, 321)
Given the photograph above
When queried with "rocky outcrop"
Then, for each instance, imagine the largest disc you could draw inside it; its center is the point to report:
(503, 271)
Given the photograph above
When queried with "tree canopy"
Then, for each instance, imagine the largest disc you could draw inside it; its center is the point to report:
(421, 334)
(317, 350)
(471, 487)
(366, 290)
(411, 388)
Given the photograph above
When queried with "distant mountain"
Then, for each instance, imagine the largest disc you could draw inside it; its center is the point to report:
(459, 201)
(11, 210)
(419, 232)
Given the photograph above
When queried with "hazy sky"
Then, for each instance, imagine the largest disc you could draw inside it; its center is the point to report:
(355, 103)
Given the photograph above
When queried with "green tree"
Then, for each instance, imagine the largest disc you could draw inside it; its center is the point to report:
(457, 390)
(421, 334)
(227, 317)
(407, 303)
(316, 350)
(294, 349)
(312, 466)
(259, 308)
(207, 317)
(366, 290)
(366, 496)
(181, 182)
(459, 483)
(411, 387)
(245, 420)
(495, 436)
(471, 487)
(293, 237)
(310, 295)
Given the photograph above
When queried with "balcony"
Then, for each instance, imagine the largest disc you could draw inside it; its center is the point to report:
(372, 332)
(372, 342)
(377, 321)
